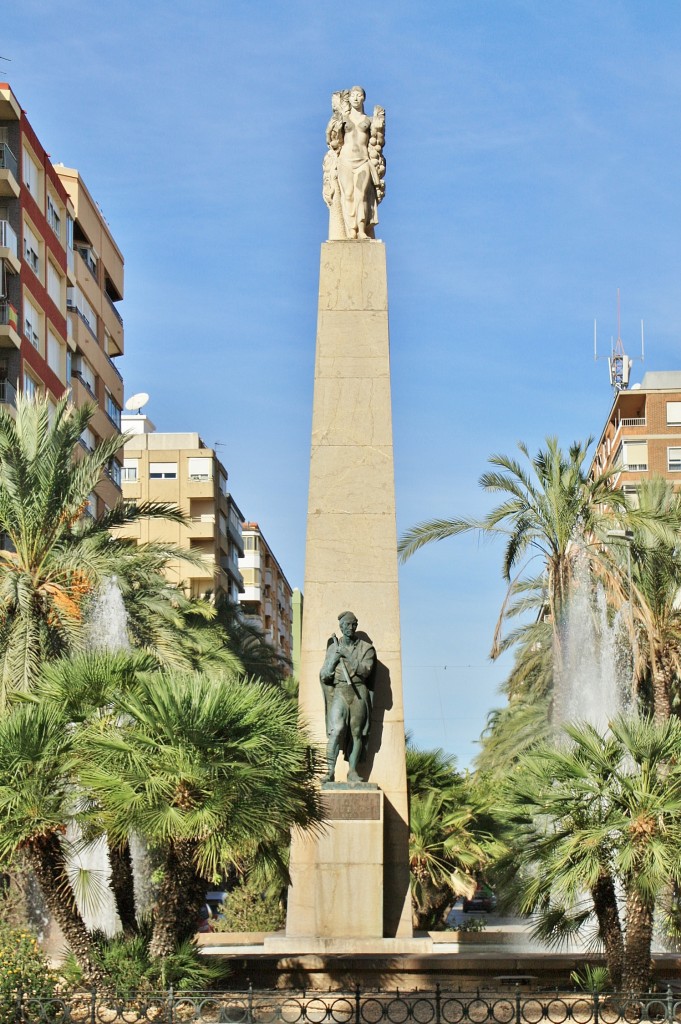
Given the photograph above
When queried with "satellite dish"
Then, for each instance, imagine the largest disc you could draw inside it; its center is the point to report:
(137, 402)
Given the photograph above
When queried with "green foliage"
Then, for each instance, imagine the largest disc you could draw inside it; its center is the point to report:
(591, 978)
(469, 924)
(131, 970)
(248, 909)
(24, 967)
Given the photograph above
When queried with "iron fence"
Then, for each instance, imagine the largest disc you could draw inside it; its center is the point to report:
(357, 1007)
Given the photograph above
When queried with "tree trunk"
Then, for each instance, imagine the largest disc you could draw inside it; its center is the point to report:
(123, 886)
(636, 976)
(46, 857)
(609, 927)
(661, 689)
(179, 900)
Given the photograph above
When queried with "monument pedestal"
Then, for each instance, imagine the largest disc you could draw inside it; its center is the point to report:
(351, 564)
(337, 889)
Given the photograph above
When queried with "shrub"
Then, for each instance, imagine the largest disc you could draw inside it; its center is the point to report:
(126, 961)
(247, 909)
(23, 968)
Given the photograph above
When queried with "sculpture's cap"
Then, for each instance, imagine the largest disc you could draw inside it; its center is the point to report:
(347, 615)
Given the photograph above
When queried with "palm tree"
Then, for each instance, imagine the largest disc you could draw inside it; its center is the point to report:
(447, 845)
(207, 769)
(655, 584)
(57, 554)
(599, 813)
(552, 510)
(37, 762)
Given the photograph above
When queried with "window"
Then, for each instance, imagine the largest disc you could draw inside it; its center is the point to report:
(31, 249)
(30, 385)
(87, 439)
(222, 483)
(69, 366)
(53, 217)
(632, 455)
(76, 300)
(54, 353)
(251, 544)
(114, 471)
(674, 414)
(31, 175)
(130, 469)
(631, 491)
(223, 523)
(86, 375)
(54, 280)
(200, 469)
(674, 460)
(91, 505)
(112, 410)
(32, 323)
(163, 470)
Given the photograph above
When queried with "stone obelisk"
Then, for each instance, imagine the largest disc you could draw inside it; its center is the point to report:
(353, 881)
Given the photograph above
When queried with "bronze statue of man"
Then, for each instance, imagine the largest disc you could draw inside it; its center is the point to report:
(347, 680)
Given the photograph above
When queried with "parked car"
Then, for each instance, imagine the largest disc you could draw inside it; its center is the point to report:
(483, 899)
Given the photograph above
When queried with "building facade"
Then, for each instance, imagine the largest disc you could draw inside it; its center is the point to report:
(179, 468)
(267, 596)
(642, 435)
(95, 326)
(53, 338)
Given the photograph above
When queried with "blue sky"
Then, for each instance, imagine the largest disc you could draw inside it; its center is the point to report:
(534, 167)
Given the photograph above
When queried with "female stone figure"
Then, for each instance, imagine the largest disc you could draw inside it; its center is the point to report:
(354, 167)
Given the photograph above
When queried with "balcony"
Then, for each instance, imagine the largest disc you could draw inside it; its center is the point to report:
(9, 246)
(202, 526)
(88, 259)
(8, 393)
(114, 367)
(9, 172)
(116, 313)
(9, 326)
(633, 421)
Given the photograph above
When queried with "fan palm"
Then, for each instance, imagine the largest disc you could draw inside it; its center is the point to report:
(206, 769)
(37, 764)
(602, 812)
(447, 845)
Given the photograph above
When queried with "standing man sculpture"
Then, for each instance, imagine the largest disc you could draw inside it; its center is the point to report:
(347, 680)
(354, 166)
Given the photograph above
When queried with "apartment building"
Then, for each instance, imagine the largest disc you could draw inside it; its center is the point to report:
(179, 468)
(51, 339)
(642, 434)
(94, 324)
(267, 596)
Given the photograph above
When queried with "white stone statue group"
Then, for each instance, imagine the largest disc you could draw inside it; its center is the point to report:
(354, 167)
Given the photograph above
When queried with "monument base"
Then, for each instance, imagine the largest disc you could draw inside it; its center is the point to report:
(337, 877)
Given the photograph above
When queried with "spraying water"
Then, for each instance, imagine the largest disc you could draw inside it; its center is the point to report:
(596, 677)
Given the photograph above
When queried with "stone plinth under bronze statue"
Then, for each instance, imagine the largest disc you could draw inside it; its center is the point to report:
(353, 882)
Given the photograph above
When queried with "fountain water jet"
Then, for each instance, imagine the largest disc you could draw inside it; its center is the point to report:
(595, 681)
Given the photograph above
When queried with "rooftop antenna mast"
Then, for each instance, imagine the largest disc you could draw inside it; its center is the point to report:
(619, 363)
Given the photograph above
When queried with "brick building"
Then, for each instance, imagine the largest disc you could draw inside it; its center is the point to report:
(642, 434)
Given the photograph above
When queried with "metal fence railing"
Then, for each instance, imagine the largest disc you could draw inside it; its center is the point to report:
(355, 1007)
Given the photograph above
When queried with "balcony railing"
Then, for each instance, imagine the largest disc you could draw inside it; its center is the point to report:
(8, 393)
(8, 315)
(88, 387)
(116, 313)
(114, 367)
(8, 237)
(8, 161)
(87, 258)
(633, 421)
